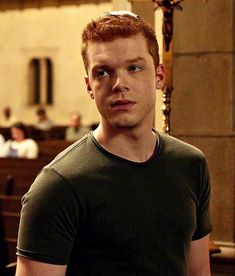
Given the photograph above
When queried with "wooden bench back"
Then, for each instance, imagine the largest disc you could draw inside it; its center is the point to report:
(21, 173)
(50, 148)
(10, 207)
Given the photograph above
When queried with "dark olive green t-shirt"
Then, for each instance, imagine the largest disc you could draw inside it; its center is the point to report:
(104, 215)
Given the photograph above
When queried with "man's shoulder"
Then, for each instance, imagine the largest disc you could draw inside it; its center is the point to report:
(65, 166)
(179, 148)
(74, 153)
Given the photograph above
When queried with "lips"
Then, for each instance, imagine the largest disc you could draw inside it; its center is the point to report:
(122, 104)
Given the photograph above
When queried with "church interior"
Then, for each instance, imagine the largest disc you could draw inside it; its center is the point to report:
(41, 67)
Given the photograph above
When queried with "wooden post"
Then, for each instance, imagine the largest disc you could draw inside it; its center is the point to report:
(167, 7)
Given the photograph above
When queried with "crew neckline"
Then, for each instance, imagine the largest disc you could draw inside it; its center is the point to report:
(155, 154)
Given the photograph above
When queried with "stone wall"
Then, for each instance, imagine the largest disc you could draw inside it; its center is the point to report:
(53, 32)
(202, 100)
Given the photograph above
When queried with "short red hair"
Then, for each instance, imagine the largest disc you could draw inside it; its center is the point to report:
(110, 27)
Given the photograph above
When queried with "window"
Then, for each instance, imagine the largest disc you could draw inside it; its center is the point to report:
(40, 81)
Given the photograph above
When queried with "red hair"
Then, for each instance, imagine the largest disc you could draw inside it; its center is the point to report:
(110, 27)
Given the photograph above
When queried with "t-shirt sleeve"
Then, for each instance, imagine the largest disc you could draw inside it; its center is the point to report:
(32, 149)
(49, 219)
(204, 225)
(4, 152)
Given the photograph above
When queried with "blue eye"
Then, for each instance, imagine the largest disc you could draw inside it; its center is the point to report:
(135, 68)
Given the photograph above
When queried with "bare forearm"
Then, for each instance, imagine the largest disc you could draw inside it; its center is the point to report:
(26, 267)
(199, 262)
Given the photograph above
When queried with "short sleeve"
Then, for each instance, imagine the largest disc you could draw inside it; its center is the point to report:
(4, 152)
(49, 219)
(32, 149)
(204, 225)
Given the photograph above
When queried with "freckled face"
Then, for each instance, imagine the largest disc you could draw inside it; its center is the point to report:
(122, 79)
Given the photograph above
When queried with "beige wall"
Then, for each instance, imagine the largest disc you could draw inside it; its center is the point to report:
(52, 32)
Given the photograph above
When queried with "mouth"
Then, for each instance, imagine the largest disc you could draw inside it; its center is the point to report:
(122, 104)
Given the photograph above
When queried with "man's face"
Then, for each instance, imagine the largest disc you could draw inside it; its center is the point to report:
(123, 80)
(75, 121)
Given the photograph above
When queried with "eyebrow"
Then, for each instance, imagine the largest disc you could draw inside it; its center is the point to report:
(102, 64)
(137, 59)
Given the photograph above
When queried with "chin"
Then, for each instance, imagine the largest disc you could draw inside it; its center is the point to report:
(124, 124)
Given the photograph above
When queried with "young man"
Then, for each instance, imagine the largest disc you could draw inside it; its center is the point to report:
(123, 200)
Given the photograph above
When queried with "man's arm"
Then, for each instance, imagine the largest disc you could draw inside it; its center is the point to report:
(27, 267)
(199, 262)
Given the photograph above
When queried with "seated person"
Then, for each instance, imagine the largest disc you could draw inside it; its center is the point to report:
(44, 122)
(75, 131)
(8, 119)
(20, 146)
(2, 141)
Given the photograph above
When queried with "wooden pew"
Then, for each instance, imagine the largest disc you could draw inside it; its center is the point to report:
(10, 203)
(213, 248)
(10, 207)
(17, 174)
(22, 172)
(10, 224)
(223, 263)
(58, 132)
(6, 183)
(6, 132)
(55, 133)
(50, 148)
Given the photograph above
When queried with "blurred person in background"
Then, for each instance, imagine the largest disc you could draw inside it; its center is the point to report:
(44, 122)
(8, 119)
(20, 146)
(2, 141)
(76, 130)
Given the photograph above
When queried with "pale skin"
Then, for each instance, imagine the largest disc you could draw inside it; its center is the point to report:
(17, 134)
(122, 79)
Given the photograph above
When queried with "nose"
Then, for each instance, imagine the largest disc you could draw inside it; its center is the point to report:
(120, 82)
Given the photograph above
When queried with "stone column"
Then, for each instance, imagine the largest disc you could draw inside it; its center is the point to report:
(145, 9)
(203, 99)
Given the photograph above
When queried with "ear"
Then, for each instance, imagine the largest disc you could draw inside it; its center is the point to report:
(88, 86)
(160, 77)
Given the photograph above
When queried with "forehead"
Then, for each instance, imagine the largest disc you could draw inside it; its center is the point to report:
(120, 49)
(75, 117)
(16, 129)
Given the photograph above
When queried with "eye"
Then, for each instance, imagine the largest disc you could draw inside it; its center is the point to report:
(100, 73)
(135, 68)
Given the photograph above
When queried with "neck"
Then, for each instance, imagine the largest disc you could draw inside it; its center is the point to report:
(133, 144)
(20, 139)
